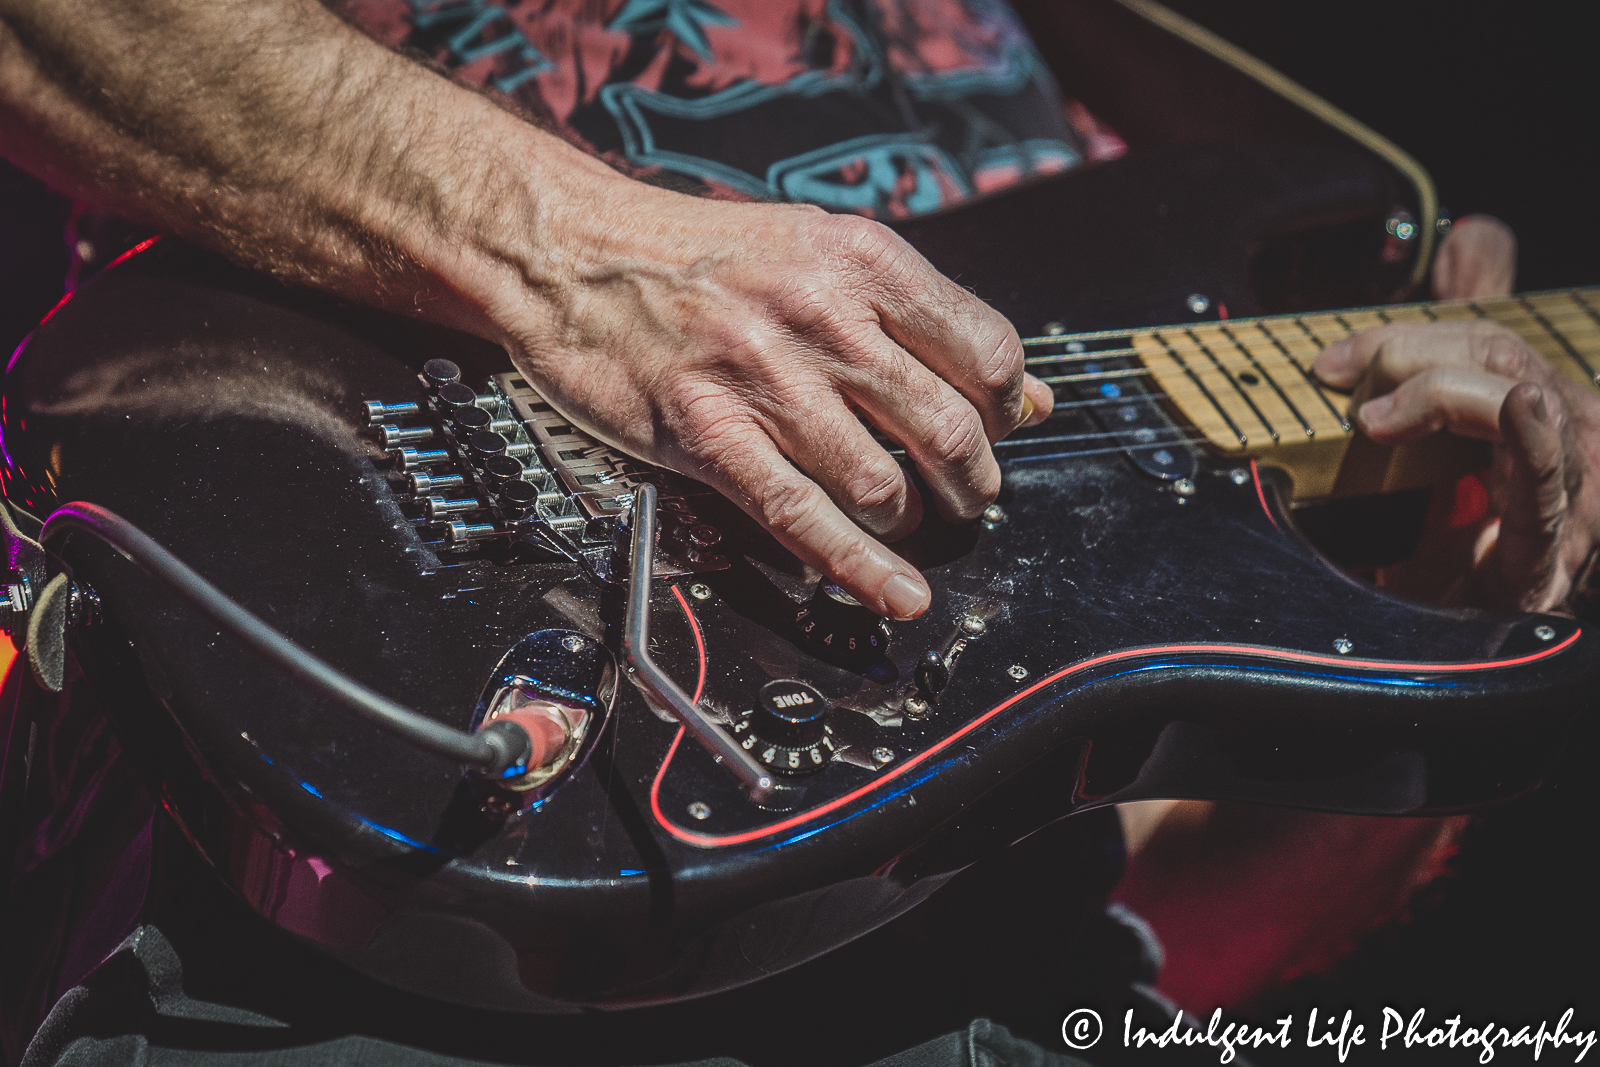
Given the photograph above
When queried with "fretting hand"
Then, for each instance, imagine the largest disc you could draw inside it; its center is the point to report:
(1480, 380)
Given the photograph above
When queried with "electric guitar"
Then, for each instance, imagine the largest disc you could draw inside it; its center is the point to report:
(745, 769)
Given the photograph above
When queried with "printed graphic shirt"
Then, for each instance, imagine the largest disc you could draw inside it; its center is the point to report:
(886, 108)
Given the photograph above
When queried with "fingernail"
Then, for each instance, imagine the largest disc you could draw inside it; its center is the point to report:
(1027, 409)
(905, 597)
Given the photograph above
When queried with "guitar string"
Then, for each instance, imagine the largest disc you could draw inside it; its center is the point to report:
(1011, 443)
(1137, 433)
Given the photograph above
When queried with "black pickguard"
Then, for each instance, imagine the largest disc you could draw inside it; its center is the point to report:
(1135, 643)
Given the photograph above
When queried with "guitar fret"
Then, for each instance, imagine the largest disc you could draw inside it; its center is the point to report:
(1356, 321)
(1451, 312)
(1532, 333)
(1560, 339)
(1407, 313)
(1310, 380)
(1577, 298)
(1288, 404)
(1272, 432)
(1231, 440)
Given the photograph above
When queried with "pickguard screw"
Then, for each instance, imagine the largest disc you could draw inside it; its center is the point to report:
(1239, 475)
(1018, 671)
(973, 625)
(1199, 303)
(700, 810)
(1183, 487)
(883, 754)
(993, 513)
(916, 707)
(573, 643)
(1343, 645)
(1544, 633)
(1054, 329)
(700, 591)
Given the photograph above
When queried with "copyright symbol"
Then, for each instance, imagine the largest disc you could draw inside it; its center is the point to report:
(1082, 1028)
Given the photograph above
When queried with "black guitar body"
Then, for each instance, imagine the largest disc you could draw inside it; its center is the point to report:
(1105, 635)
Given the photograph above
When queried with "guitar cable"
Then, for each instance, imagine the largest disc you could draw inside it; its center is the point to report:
(500, 749)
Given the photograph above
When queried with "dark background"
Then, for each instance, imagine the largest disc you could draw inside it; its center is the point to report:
(1499, 102)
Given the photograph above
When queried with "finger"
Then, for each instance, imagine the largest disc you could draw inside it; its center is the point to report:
(743, 463)
(1476, 259)
(941, 432)
(1451, 398)
(1536, 498)
(953, 333)
(1389, 355)
(853, 468)
(971, 346)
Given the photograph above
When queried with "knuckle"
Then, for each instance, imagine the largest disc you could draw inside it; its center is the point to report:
(699, 411)
(1506, 355)
(822, 319)
(1001, 370)
(853, 234)
(786, 506)
(711, 426)
(958, 437)
(877, 487)
(867, 244)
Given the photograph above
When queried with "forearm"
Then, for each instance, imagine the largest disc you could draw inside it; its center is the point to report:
(277, 135)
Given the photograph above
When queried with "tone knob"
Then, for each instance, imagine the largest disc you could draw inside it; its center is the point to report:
(787, 730)
(838, 629)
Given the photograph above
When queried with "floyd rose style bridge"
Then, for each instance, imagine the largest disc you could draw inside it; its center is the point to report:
(503, 465)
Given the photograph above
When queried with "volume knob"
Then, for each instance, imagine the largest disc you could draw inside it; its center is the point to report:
(787, 730)
(838, 629)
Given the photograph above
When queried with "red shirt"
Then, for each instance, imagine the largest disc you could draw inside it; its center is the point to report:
(882, 107)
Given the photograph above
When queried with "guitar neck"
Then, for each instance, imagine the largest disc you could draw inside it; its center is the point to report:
(1245, 387)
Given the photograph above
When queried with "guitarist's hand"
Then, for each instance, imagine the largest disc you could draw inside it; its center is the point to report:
(738, 342)
(734, 342)
(1478, 379)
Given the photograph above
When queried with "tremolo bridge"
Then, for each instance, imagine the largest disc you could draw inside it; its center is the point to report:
(503, 464)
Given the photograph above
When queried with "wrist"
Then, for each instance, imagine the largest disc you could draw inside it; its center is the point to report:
(492, 215)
